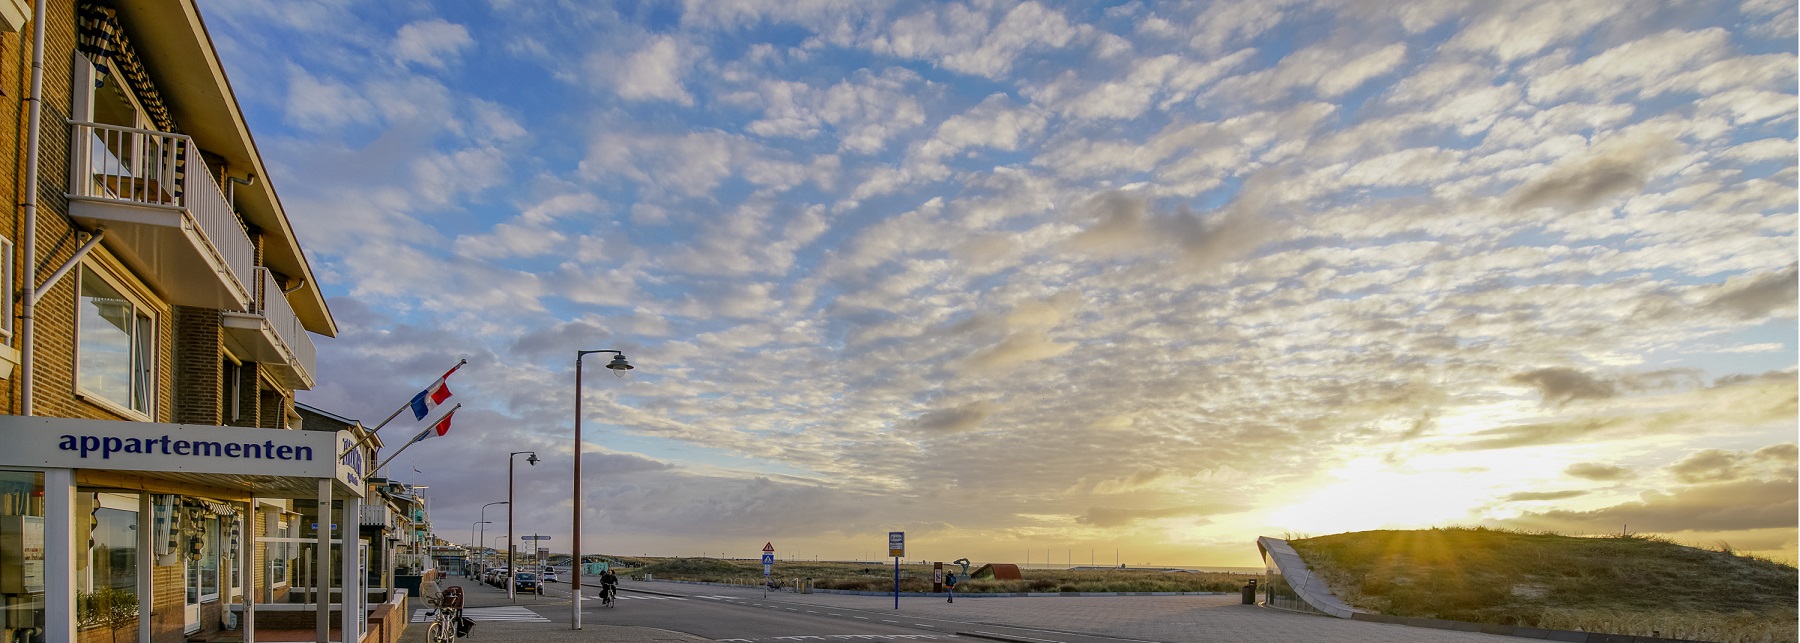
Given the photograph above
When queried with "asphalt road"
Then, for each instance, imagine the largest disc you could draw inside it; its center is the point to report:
(742, 615)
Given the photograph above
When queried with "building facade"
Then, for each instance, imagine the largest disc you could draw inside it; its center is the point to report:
(160, 318)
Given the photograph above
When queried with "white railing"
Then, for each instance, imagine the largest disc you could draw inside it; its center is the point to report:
(375, 515)
(273, 305)
(133, 165)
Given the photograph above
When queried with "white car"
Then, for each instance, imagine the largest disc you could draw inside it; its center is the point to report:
(550, 575)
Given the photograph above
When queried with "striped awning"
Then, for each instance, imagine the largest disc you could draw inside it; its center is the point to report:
(100, 37)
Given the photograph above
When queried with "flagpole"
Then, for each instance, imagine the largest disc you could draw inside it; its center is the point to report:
(397, 412)
(415, 440)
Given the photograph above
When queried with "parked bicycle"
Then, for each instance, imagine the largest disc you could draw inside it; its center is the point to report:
(447, 620)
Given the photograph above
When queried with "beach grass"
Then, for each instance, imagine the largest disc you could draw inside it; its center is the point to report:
(879, 577)
(1630, 584)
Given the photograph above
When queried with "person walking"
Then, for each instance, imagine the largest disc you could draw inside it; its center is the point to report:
(950, 587)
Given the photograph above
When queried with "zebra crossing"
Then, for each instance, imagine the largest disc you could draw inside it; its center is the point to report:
(510, 613)
(635, 597)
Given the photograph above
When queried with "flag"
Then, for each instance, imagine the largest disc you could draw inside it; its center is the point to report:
(432, 395)
(442, 427)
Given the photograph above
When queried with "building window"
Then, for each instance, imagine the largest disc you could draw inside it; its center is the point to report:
(233, 381)
(22, 532)
(280, 553)
(116, 345)
(107, 573)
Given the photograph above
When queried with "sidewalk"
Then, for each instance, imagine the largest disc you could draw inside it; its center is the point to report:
(1170, 619)
(541, 632)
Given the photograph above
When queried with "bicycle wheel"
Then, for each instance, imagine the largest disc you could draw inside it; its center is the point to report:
(435, 633)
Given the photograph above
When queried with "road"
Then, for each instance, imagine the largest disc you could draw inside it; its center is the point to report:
(744, 615)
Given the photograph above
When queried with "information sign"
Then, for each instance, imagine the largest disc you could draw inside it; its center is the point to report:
(897, 544)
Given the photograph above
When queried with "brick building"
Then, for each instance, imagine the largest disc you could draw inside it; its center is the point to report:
(160, 321)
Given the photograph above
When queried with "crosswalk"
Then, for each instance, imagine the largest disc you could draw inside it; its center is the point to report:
(512, 613)
(635, 597)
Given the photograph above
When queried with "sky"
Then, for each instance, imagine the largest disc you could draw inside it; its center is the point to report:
(1097, 282)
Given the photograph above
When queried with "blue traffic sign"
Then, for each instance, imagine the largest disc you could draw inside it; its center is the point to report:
(768, 559)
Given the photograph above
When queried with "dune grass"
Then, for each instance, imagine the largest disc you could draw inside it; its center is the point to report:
(917, 578)
(1637, 585)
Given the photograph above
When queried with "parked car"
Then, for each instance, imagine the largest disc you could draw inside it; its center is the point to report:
(527, 582)
(497, 577)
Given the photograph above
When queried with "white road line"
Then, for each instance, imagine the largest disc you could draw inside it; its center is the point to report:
(1026, 638)
(924, 625)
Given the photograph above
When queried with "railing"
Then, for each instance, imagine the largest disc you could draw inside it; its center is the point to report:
(375, 515)
(273, 305)
(147, 167)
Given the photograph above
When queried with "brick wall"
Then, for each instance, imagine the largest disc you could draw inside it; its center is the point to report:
(198, 366)
(168, 617)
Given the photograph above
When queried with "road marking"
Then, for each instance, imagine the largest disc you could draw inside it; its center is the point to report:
(924, 625)
(888, 621)
(861, 617)
(513, 613)
(1023, 638)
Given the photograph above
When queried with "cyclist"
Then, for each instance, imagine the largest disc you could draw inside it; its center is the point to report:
(609, 588)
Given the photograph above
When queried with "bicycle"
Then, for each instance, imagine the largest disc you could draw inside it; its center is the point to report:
(447, 620)
(607, 593)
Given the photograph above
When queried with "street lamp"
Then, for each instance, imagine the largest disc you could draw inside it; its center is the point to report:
(619, 365)
(511, 570)
(484, 522)
(472, 542)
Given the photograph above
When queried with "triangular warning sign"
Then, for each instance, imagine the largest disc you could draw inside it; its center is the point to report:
(768, 546)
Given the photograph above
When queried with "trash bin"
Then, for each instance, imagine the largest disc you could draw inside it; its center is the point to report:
(806, 586)
(1250, 593)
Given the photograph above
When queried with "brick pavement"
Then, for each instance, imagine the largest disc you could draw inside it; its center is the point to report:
(1166, 619)
(1169, 619)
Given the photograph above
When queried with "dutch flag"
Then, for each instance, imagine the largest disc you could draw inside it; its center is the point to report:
(433, 395)
(441, 428)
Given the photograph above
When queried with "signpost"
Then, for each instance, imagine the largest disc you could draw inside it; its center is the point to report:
(535, 545)
(768, 564)
(897, 549)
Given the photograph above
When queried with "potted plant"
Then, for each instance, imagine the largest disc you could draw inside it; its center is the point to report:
(108, 607)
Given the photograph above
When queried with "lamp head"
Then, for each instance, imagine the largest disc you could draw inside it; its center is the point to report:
(532, 459)
(619, 363)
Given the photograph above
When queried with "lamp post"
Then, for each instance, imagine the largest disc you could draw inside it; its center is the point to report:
(484, 523)
(619, 365)
(472, 542)
(511, 569)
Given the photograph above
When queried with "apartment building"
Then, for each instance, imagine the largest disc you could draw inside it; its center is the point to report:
(154, 482)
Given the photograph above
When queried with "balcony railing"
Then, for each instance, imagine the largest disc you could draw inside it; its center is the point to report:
(272, 303)
(374, 515)
(154, 194)
(271, 334)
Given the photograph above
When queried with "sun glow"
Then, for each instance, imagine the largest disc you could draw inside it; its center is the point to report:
(1427, 490)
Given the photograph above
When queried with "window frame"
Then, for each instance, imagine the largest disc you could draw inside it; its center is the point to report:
(148, 340)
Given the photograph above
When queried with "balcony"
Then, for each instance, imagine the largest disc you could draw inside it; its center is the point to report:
(163, 213)
(378, 515)
(271, 334)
